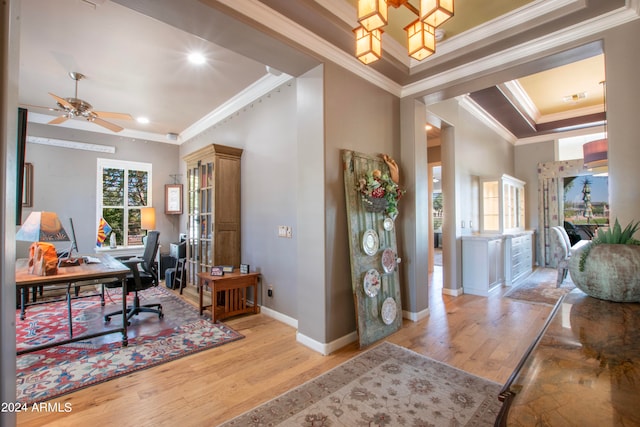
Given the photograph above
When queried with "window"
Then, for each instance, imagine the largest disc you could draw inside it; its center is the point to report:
(123, 188)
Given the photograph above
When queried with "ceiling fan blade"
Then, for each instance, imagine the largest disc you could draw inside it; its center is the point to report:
(109, 115)
(106, 124)
(40, 106)
(63, 102)
(58, 120)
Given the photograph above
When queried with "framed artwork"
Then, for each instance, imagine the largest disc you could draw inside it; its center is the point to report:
(27, 186)
(227, 268)
(244, 268)
(173, 199)
(217, 271)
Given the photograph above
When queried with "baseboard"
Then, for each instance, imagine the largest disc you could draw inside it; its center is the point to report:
(415, 317)
(279, 316)
(453, 292)
(326, 348)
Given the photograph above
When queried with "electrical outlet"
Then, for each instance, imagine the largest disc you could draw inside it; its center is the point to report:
(270, 291)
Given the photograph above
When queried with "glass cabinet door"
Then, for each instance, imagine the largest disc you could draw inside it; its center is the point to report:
(502, 204)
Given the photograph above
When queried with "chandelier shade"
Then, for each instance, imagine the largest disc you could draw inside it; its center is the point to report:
(421, 37)
(421, 40)
(435, 12)
(596, 153)
(372, 14)
(368, 45)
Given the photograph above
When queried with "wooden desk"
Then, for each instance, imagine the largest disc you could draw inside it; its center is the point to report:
(108, 270)
(228, 294)
(583, 370)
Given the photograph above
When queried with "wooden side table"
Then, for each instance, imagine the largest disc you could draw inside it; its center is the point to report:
(228, 294)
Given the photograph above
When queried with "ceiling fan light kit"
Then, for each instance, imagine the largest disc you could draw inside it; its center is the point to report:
(421, 34)
(76, 107)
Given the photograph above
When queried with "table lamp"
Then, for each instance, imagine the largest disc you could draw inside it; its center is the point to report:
(43, 227)
(148, 218)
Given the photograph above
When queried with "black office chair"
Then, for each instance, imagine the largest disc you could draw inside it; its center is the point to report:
(144, 275)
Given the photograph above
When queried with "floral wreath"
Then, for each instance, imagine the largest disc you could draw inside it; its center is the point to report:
(380, 193)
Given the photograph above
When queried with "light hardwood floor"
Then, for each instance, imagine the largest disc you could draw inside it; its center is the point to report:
(484, 336)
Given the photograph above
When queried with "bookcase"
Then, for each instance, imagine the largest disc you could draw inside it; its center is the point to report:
(213, 209)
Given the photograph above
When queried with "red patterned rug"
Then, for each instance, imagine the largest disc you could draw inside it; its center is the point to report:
(46, 374)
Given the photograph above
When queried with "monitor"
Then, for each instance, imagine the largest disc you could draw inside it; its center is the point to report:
(69, 260)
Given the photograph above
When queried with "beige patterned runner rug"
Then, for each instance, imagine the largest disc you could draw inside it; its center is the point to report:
(387, 385)
(540, 287)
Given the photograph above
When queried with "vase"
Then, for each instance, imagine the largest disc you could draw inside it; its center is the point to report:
(611, 272)
(112, 241)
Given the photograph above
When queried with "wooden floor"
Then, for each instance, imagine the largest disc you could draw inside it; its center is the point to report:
(484, 336)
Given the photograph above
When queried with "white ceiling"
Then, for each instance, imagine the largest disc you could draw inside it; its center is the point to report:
(132, 63)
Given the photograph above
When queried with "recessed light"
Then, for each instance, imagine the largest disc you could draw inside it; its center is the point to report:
(142, 120)
(197, 58)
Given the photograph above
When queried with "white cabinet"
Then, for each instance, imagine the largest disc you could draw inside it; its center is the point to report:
(519, 253)
(502, 204)
(482, 263)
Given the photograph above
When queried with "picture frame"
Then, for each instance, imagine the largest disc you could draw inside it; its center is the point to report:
(173, 199)
(217, 271)
(244, 268)
(27, 186)
(227, 268)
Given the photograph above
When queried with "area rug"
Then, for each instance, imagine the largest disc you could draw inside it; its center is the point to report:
(387, 385)
(540, 287)
(46, 374)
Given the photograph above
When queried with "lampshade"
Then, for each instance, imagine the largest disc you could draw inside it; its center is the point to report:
(147, 218)
(435, 12)
(368, 45)
(595, 153)
(421, 39)
(372, 14)
(42, 227)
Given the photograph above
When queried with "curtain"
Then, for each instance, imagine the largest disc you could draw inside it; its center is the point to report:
(550, 198)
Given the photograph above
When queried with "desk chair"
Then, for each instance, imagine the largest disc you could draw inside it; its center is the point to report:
(144, 275)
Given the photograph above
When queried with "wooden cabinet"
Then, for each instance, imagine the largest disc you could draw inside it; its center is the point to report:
(502, 204)
(213, 209)
(482, 263)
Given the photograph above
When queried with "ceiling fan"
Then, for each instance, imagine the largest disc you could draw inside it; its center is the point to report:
(76, 107)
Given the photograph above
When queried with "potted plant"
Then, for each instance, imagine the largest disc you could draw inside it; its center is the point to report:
(609, 267)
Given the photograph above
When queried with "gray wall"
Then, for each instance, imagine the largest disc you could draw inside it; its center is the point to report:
(65, 180)
(359, 117)
(477, 151)
(266, 131)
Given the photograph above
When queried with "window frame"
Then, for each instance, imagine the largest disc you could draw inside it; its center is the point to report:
(126, 165)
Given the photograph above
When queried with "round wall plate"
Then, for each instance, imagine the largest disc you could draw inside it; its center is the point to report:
(370, 242)
(371, 283)
(389, 311)
(388, 224)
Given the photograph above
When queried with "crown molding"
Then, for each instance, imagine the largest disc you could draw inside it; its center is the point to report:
(524, 51)
(472, 107)
(261, 87)
(259, 12)
(521, 98)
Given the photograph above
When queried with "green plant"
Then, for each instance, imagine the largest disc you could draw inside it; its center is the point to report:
(612, 236)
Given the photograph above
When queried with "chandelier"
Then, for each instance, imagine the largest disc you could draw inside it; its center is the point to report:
(421, 33)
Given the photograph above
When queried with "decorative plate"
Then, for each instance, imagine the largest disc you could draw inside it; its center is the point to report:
(388, 260)
(388, 224)
(389, 311)
(372, 283)
(370, 242)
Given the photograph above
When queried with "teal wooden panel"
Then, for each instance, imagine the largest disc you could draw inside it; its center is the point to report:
(370, 323)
